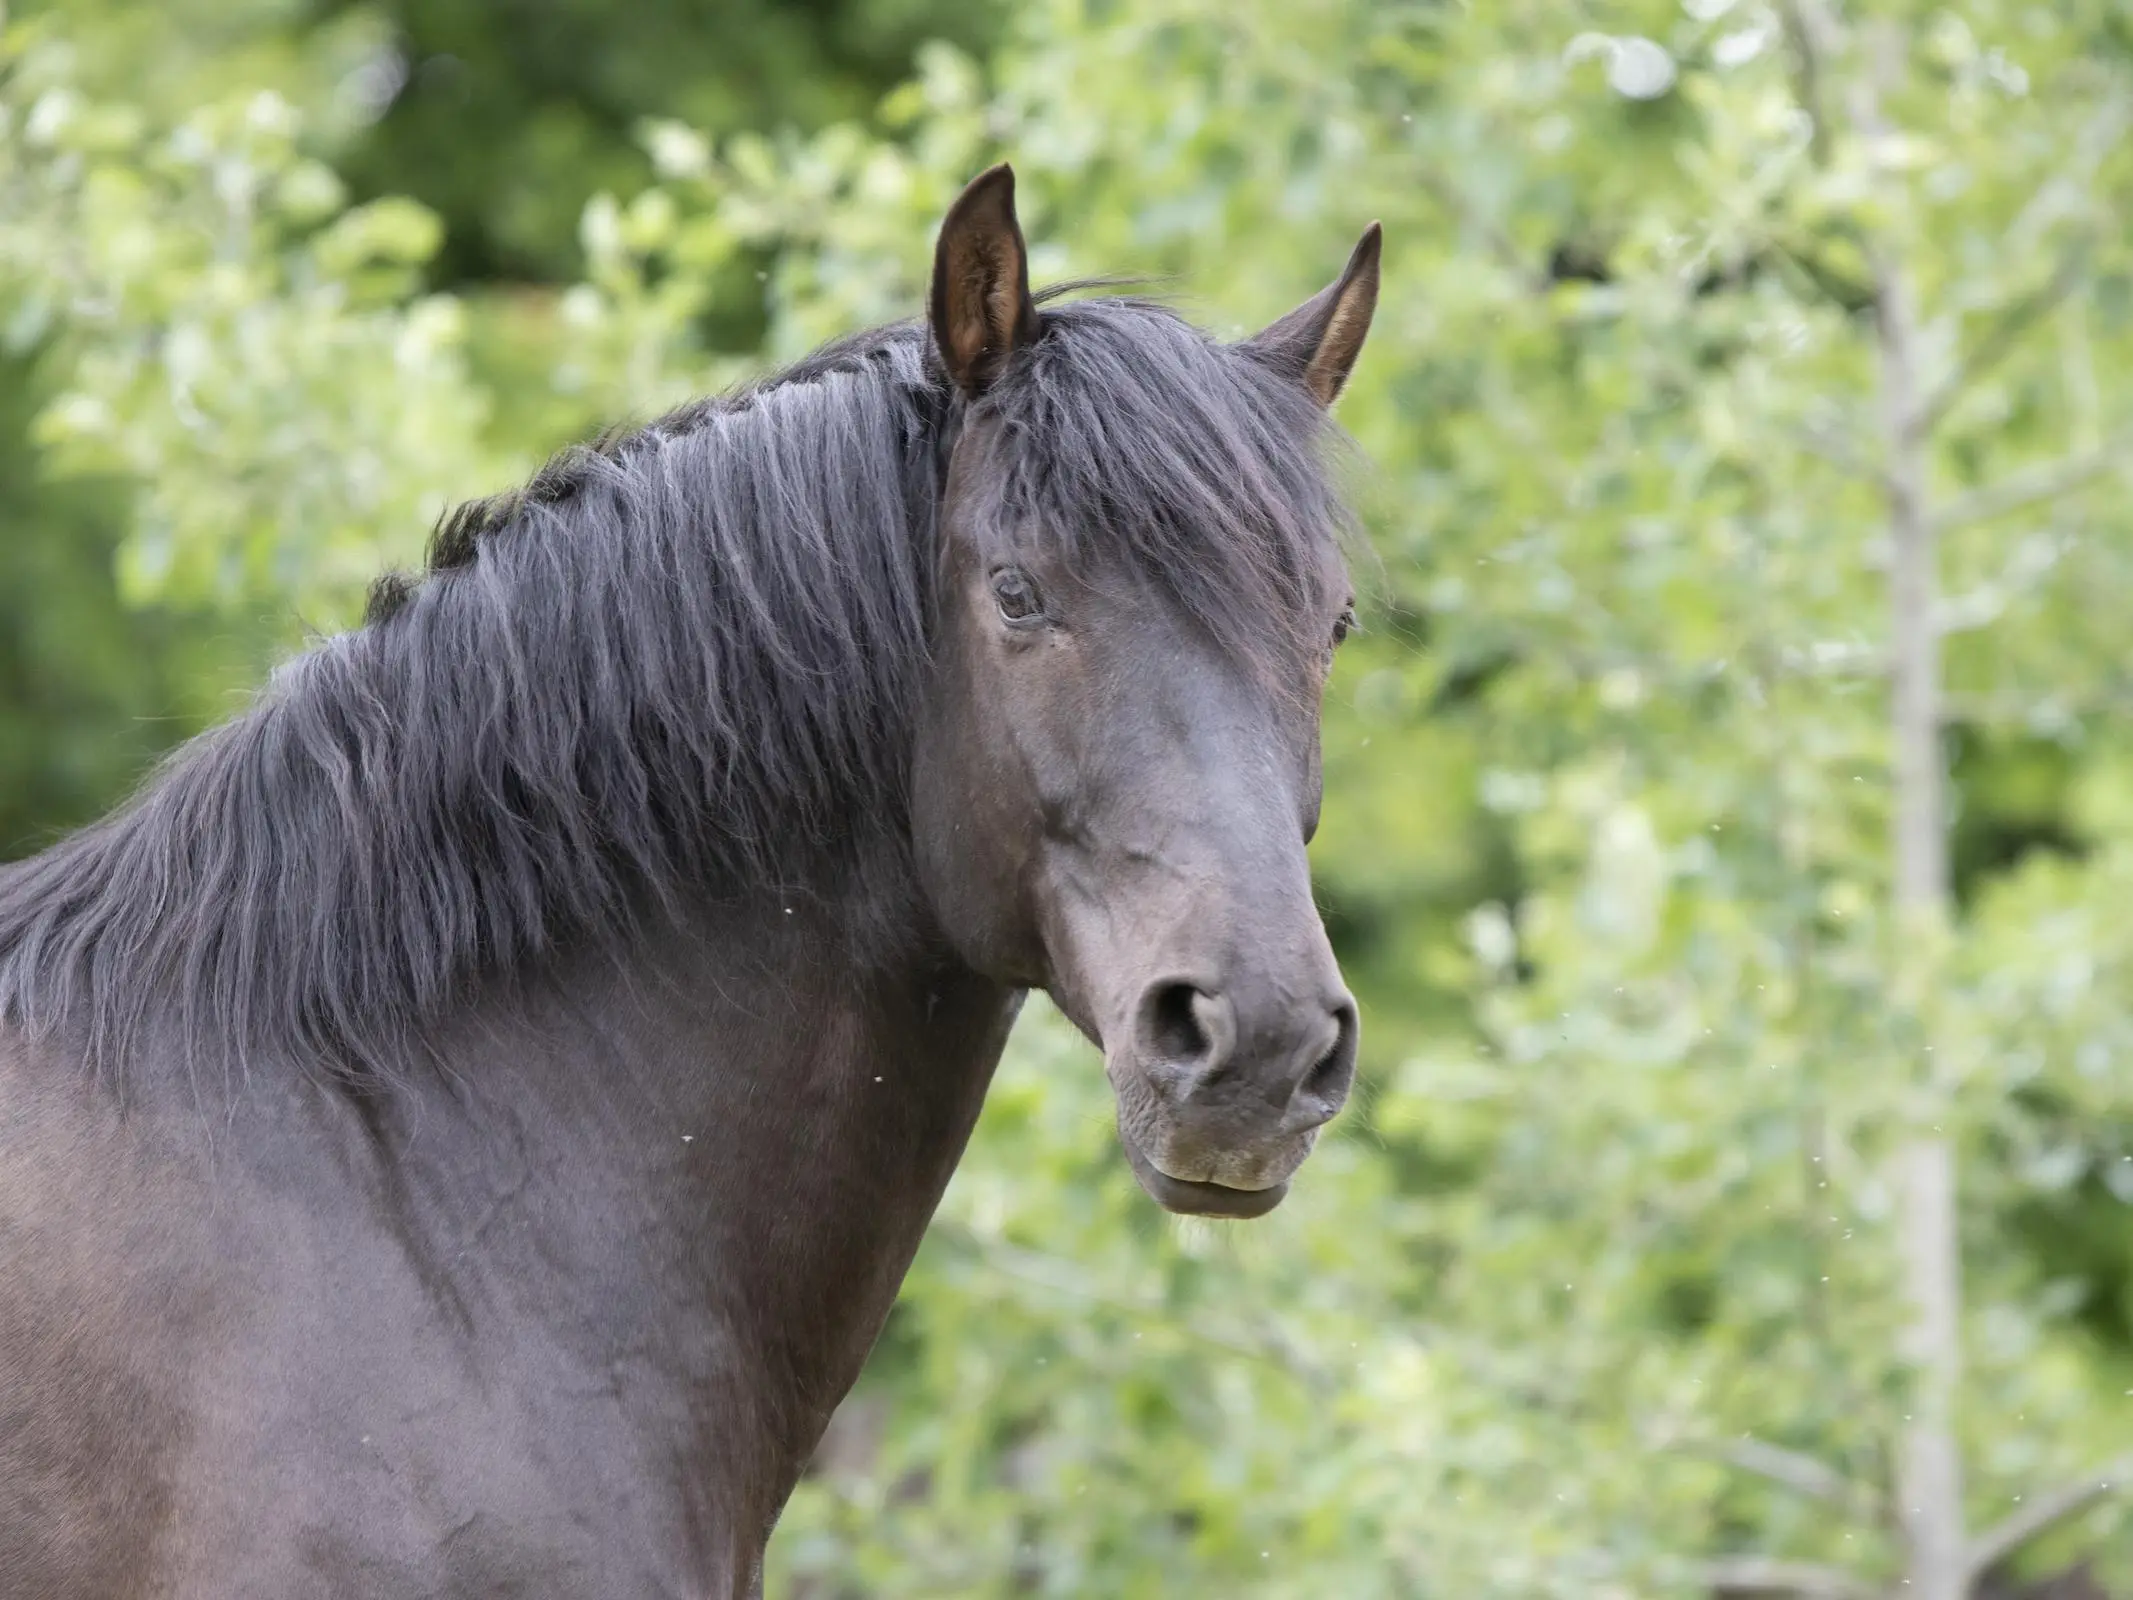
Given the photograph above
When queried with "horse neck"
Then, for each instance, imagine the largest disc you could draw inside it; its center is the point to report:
(711, 1157)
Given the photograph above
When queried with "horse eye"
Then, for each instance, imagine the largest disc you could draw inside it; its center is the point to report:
(1344, 624)
(1015, 595)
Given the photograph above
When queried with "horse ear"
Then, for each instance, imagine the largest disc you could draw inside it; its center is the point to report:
(981, 308)
(1317, 343)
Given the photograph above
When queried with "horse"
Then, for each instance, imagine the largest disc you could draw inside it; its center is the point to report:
(465, 1121)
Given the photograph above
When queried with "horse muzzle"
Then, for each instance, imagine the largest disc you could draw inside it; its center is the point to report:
(1221, 1099)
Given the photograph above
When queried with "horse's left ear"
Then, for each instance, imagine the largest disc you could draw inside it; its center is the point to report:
(981, 308)
(1317, 343)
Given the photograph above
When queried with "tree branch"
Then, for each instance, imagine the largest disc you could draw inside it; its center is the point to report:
(1791, 1469)
(2008, 707)
(2033, 560)
(1848, 295)
(1454, 200)
(1807, 55)
(1839, 453)
(2004, 335)
(2045, 1512)
(2032, 486)
(2098, 138)
(1740, 1577)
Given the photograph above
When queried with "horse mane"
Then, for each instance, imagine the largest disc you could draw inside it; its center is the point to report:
(686, 658)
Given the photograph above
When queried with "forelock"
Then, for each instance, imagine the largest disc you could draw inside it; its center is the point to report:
(1131, 437)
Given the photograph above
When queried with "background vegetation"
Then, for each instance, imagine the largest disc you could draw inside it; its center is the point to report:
(1730, 815)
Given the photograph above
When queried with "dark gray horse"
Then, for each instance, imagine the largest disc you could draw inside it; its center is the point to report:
(463, 1125)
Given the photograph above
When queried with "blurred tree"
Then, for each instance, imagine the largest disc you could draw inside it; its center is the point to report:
(83, 683)
(502, 117)
(505, 118)
(244, 349)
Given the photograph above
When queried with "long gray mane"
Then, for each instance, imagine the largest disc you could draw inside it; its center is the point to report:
(685, 660)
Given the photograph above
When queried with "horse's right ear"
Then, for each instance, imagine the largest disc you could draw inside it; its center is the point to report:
(1317, 343)
(981, 308)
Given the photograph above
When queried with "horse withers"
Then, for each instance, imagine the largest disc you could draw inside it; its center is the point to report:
(464, 1123)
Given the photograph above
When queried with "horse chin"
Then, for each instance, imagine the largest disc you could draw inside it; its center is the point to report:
(1189, 1199)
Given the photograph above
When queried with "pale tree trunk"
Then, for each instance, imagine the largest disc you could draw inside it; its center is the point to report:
(1942, 1559)
(1929, 1483)
(1929, 1486)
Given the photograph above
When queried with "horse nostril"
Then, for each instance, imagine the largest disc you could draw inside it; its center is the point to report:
(1172, 1024)
(1324, 1089)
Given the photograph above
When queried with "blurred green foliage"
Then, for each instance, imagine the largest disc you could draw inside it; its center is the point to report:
(81, 677)
(560, 94)
(1596, 1292)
